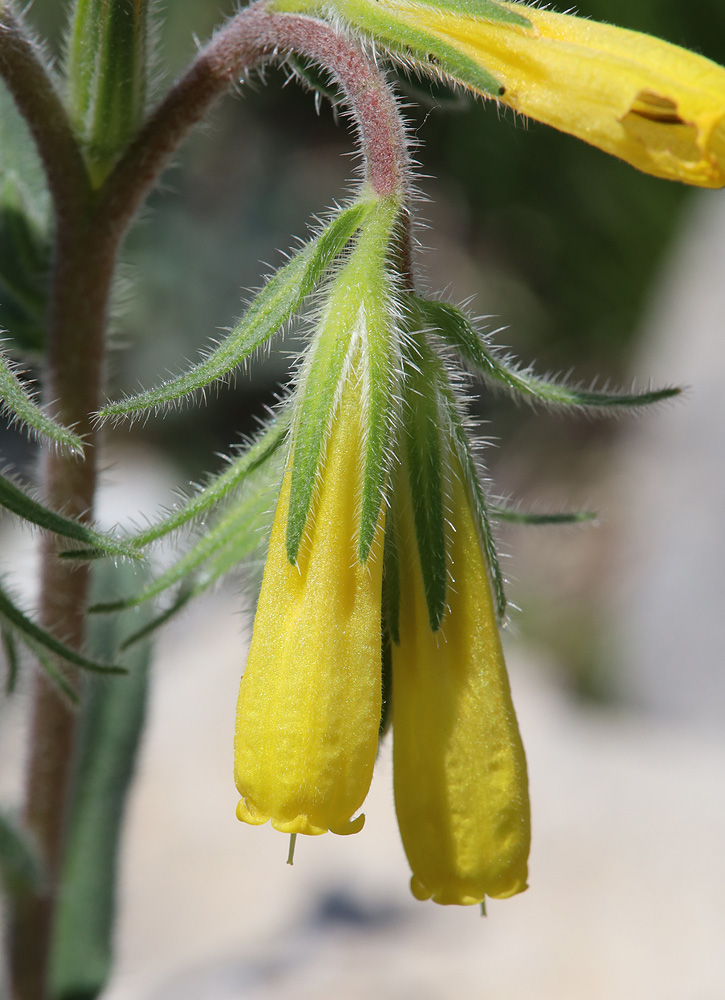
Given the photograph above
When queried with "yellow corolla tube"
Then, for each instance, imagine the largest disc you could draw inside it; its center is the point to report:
(655, 105)
(461, 790)
(309, 700)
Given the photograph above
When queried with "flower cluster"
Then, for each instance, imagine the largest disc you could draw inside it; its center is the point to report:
(381, 576)
(389, 566)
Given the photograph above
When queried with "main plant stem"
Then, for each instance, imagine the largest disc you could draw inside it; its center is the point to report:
(89, 228)
(82, 273)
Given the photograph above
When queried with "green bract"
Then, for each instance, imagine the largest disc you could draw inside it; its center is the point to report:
(107, 74)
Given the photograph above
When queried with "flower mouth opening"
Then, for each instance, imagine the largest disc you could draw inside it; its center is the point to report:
(656, 123)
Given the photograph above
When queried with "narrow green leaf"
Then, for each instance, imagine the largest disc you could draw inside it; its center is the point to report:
(219, 487)
(459, 333)
(15, 400)
(111, 722)
(424, 462)
(478, 499)
(32, 634)
(87, 22)
(242, 524)
(20, 870)
(12, 663)
(14, 499)
(313, 77)
(271, 308)
(515, 516)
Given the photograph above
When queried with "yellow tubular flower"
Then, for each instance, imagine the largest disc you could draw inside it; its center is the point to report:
(461, 790)
(309, 700)
(653, 104)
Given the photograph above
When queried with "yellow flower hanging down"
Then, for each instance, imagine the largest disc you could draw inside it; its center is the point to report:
(309, 700)
(461, 790)
(655, 105)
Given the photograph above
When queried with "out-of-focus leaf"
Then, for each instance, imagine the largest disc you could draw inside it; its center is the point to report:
(34, 636)
(20, 869)
(111, 722)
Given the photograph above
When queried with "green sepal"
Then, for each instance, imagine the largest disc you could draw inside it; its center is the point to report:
(16, 500)
(12, 663)
(271, 308)
(391, 579)
(107, 73)
(457, 331)
(515, 516)
(360, 294)
(479, 503)
(482, 10)
(111, 721)
(17, 403)
(37, 638)
(21, 873)
(424, 467)
(386, 685)
(418, 49)
(382, 364)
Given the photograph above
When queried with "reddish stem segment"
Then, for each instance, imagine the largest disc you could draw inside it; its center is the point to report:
(252, 37)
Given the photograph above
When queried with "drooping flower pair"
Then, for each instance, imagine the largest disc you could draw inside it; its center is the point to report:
(376, 544)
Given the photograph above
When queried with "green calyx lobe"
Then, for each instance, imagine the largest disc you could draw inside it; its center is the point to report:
(423, 462)
(428, 53)
(355, 338)
(437, 431)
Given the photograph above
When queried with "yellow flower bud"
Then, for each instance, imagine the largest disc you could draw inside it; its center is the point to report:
(653, 104)
(309, 700)
(461, 790)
